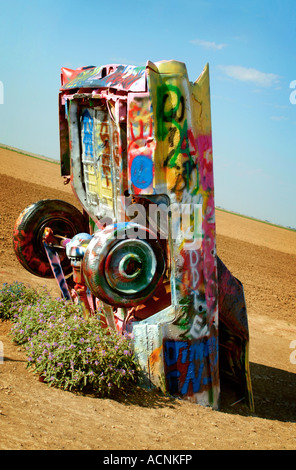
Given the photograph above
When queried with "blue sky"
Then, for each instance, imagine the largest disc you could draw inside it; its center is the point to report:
(250, 48)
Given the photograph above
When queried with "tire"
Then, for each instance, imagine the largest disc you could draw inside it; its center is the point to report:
(63, 218)
(122, 268)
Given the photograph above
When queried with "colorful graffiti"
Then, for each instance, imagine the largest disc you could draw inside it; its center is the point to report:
(125, 77)
(113, 76)
(173, 126)
(87, 130)
(57, 270)
(187, 365)
(183, 143)
(140, 145)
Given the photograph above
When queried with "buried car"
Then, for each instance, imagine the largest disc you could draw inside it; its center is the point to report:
(136, 146)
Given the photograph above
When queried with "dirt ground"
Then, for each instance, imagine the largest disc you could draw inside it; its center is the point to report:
(34, 416)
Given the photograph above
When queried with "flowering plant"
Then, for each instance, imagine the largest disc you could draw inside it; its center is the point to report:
(69, 351)
(13, 296)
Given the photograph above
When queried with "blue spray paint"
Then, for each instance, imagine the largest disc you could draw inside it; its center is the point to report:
(142, 171)
(187, 363)
(88, 126)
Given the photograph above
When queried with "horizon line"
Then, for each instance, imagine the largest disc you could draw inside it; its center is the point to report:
(219, 208)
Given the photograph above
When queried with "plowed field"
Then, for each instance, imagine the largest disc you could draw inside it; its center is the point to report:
(33, 416)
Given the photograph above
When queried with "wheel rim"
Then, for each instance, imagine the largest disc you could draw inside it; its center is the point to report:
(130, 266)
(64, 220)
(121, 269)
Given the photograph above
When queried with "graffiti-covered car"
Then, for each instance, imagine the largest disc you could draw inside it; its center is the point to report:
(136, 146)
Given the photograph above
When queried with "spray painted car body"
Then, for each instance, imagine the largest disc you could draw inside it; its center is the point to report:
(140, 137)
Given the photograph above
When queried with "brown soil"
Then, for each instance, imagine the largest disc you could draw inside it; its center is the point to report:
(34, 416)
